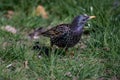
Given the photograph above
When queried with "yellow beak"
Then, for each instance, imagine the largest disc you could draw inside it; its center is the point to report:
(90, 17)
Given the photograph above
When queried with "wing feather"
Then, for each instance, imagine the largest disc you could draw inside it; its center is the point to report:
(57, 31)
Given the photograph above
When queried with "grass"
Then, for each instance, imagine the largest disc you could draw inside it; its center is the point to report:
(100, 59)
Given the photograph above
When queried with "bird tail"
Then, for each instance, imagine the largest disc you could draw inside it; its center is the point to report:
(36, 33)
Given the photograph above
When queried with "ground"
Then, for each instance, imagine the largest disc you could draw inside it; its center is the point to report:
(97, 56)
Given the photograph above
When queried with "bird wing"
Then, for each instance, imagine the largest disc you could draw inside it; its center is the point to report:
(57, 31)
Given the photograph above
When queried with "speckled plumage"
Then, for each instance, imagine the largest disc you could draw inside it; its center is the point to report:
(67, 35)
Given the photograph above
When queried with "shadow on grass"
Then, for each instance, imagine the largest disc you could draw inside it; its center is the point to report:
(46, 50)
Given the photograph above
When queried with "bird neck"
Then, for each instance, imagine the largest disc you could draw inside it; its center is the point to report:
(77, 27)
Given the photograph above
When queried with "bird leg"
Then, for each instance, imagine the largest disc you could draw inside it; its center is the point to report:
(66, 49)
(67, 52)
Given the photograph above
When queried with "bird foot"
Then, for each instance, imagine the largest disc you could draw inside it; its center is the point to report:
(70, 53)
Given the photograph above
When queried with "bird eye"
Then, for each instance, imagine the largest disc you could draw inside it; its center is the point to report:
(84, 19)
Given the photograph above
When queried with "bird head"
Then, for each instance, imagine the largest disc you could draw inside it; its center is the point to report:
(79, 22)
(82, 19)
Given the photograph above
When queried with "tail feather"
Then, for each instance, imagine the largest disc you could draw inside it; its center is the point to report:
(37, 32)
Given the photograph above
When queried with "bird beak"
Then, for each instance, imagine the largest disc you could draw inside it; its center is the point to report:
(90, 17)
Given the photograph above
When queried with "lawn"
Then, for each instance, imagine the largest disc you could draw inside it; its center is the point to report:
(96, 56)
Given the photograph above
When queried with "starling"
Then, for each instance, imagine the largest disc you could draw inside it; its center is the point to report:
(66, 35)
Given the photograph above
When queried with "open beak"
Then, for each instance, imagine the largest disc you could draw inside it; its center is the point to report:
(90, 17)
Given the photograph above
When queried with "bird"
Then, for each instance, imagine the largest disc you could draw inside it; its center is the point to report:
(66, 35)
